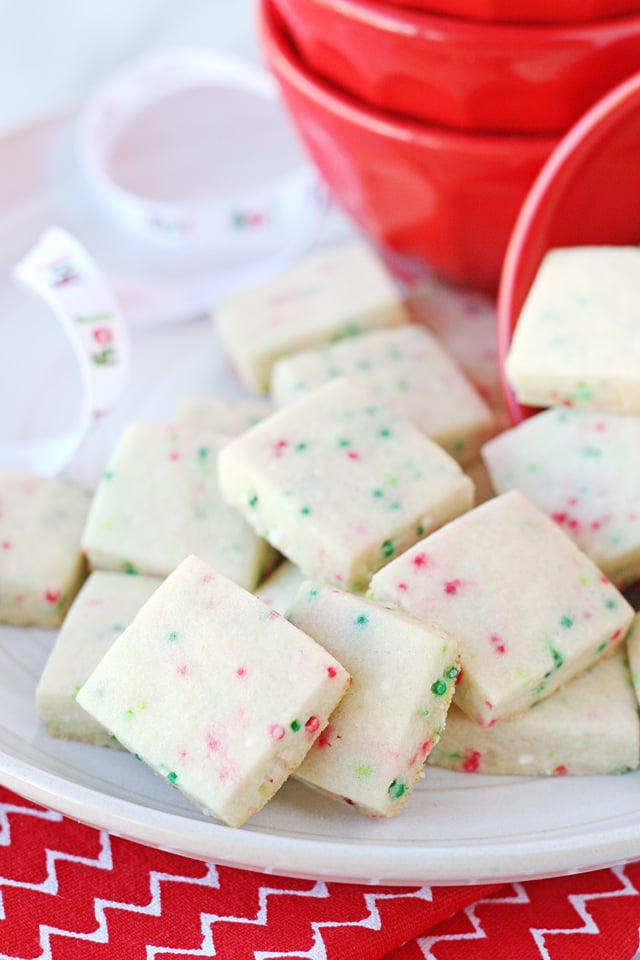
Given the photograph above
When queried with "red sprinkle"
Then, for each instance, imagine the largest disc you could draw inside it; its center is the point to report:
(182, 669)
(6, 545)
(560, 771)
(420, 560)
(472, 761)
(279, 447)
(614, 636)
(241, 672)
(451, 586)
(498, 643)
(276, 731)
(312, 725)
(403, 587)
(352, 455)
(52, 596)
(331, 671)
(174, 455)
(324, 740)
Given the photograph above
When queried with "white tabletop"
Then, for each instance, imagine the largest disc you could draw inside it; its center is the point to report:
(53, 54)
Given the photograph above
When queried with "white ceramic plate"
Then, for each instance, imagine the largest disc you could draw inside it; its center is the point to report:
(458, 828)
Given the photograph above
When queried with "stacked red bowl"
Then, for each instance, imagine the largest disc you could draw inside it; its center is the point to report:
(430, 121)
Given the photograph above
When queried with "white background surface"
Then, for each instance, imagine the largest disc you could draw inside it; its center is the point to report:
(52, 54)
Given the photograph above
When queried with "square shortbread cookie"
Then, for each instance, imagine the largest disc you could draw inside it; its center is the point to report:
(577, 466)
(530, 610)
(333, 293)
(159, 501)
(41, 564)
(408, 369)
(588, 726)
(105, 606)
(340, 484)
(403, 672)
(217, 693)
(577, 341)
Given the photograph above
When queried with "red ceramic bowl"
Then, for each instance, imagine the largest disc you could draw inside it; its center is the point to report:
(588, 192)
(461, 73)
(525, 11)
(440, 197)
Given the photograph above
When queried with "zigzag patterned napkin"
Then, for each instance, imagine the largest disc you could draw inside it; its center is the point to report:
(70, 892)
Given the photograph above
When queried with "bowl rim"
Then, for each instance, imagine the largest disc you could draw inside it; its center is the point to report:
(419, 22)
(280, 52)
(555, 172)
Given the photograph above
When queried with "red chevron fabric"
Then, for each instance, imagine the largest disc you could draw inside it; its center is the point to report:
(70, 892)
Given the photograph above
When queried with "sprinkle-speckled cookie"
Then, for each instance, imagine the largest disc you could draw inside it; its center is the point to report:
(159, 501)
(576, 465)
(403, 672)
(105, 606)
(408, 369)
(217, 693)
(577, 340)
(41, 564)
(529, 609)
(340, 484)
(588, 726)
(335, 292)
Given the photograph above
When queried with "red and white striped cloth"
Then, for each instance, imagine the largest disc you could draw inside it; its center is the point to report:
(70, 892)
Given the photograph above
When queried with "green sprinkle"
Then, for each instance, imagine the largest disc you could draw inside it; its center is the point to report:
(452, 673)
(253, 500)
(420, 530)
(314, 592)
(566, 621)
(385, 432)
(172, 777)
(610, 604)
(396, 789)
(203, 453)
(458, 446)
(128, 567)
(533, 467)
(344, 443)
(295, 726)
(107, 475)
(173, 636)
(439, 688)
(388, 548)
(558, 659)
(305, 511)
(538, 689)
(302, 446)
(129, 714)
(361, 621)
(363, 770)
(396, 505)
(377, 494)
(591, 451)
(601, 647)
(117, 628)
